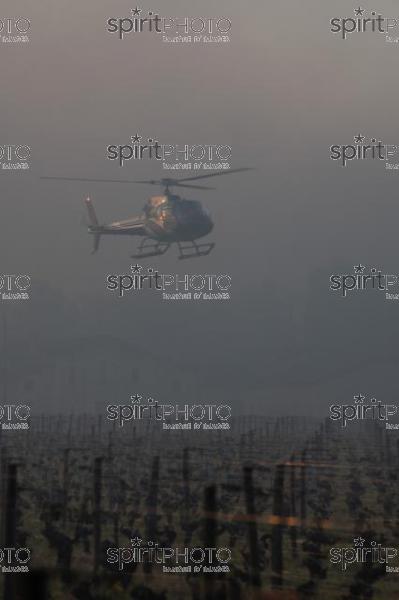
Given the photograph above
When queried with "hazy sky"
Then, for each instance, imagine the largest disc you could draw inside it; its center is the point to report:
(280, 93)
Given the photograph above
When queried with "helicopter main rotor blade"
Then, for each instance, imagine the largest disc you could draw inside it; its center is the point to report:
(194, 187)
(171, 182)
(98, 180)
(166, 181)
(215, 174)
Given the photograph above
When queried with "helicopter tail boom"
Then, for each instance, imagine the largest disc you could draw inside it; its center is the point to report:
(134, 226)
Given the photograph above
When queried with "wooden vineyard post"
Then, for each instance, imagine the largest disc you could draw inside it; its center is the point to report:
(98, 464)
(303, 490)
(10, 529)
(65, 485)
(186, 501)
(277, 528)
(293, 528)
(152, 505)
(210, 534)
(252, 527)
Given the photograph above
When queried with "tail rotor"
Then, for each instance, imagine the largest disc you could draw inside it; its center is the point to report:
(93, 226)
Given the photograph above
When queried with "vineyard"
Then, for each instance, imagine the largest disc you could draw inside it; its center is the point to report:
(277, 493)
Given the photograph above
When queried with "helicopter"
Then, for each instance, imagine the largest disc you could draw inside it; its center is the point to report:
(166, 219)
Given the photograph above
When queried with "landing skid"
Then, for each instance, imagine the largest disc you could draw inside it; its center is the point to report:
(192, 250)
(186, 250)
(151, 249)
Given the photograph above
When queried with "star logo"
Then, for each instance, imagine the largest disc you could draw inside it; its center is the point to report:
(135, 268)
(135, 11)
(135, 399)
(359, 11)
(136, 541)
(359, 268)
(359, 398)
(359, 138)
(136, 139)
(359, 541)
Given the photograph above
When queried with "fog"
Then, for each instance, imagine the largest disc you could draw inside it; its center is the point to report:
(280, 94)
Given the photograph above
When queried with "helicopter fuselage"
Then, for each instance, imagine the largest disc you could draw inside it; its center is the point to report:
(171, 218)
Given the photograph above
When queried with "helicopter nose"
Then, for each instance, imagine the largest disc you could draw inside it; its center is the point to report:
(207, 224)
(204, 227)
(208, 220)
